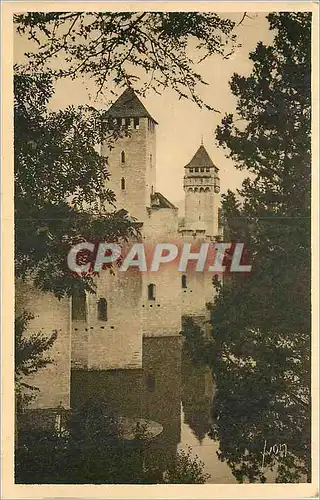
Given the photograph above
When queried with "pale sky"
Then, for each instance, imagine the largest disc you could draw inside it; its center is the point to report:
(182, 123)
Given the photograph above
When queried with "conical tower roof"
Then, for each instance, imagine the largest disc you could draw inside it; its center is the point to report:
(128, 105)
(201, 159)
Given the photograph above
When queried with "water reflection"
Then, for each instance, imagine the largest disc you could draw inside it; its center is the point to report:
(169, 390)
(169, 393)
(153, 393)
(197, 392)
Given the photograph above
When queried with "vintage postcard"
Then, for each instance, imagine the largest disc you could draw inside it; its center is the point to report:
(160, 250)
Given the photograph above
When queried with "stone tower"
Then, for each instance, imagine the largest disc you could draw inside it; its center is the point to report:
(132, 161)
(108, 327)
(202, 200)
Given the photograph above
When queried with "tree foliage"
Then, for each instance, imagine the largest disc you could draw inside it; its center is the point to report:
(30, 356)
(59, 173)
(61, 179)
(149, 50)
(199, 349)
(61, 186)
(90, 450)
(261, 322)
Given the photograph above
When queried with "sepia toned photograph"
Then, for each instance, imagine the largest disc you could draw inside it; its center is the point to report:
(162, 246)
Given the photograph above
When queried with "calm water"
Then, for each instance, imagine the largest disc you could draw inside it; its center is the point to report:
(170, 390)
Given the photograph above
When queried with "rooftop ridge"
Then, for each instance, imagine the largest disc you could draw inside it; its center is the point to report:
(201, 159)
(163, 202)
(128, 105)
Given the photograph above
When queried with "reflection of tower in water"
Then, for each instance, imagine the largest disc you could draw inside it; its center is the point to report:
(161, 365)
(153, 393)
(197, 392)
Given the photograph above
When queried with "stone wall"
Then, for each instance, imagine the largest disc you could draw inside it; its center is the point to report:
(138, 170)
(49, 314)
(115, 342)
(161, 315)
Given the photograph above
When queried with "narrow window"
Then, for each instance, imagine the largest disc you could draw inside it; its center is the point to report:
(127, 123)
(102, 310)
(150, 125)
(196, 169)
(151, 292)
(184, 281)
(123, 157)
(151, 382)
(191, 170)
(201, 169)
(150, 160)
(220, 218)
(123, 183)
(216, 184)
(136, 122)
(79, 306)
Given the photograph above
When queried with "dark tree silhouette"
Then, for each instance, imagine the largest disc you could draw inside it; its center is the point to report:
(261, 323)
(61, 187)
(148, 50)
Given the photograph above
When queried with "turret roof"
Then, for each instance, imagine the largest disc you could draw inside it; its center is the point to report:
(201, 159)
(128, 105)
